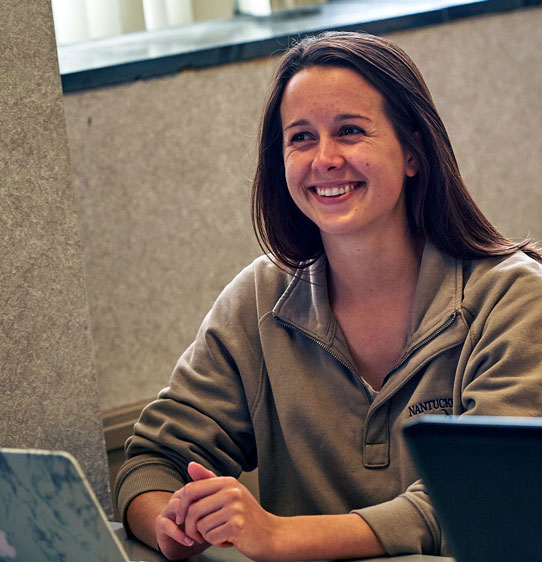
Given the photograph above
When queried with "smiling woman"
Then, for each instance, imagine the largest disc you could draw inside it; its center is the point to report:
(385, 288)
(447, 215)
(345, 167)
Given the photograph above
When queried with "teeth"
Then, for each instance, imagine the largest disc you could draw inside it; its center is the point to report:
(333, 191)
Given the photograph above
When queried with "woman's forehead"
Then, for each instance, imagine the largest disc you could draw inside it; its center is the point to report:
(334, 89)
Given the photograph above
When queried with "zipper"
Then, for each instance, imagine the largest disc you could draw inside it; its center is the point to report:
(330, 351)
(413, 350)
(426, 340)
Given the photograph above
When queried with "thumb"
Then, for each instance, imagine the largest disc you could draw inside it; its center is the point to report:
(199, 472)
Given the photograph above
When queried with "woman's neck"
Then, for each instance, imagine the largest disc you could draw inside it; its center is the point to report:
(373, 270)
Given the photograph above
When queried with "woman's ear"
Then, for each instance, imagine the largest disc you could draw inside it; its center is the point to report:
(411, 165)
(411, 160)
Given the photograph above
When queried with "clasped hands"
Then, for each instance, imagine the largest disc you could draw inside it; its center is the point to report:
(215, 510)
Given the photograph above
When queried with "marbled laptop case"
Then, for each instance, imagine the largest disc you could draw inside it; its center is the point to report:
(48, 511)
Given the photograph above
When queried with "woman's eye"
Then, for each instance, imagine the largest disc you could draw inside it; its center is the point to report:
(351, 130)
(299, 137)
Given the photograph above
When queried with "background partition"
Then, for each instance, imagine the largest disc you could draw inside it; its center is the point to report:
(48, 391)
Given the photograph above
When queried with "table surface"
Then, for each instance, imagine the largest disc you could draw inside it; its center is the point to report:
(138, 551)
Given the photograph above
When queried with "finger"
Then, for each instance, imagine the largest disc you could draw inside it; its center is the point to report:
(216, 537)
(195, 491)
(195, 513)
(212, 528)
(211, 509)
(218, 528)
(178, 493)
(199, 472)
(175, 510)
(198, 511)
(219, 536)
(165, 527)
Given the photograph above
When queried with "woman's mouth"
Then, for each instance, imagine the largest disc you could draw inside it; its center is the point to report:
(336, 190)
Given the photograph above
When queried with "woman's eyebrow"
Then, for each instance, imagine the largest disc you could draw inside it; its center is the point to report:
(346, 116)
(300, 123)
(341, 117)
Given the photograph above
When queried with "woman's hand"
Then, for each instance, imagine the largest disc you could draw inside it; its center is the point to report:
(145, 517)
(220, 511)
(172, 541)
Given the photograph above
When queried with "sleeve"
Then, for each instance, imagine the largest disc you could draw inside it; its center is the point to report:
(407, 523)
(499, 373)
(203, 415)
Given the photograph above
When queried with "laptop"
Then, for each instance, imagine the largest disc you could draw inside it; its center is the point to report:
(484, 476)
(48, 511)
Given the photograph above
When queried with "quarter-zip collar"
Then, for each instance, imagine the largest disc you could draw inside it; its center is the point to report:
(436, 306)
(433, 329)
(438, 293)
(305, 303)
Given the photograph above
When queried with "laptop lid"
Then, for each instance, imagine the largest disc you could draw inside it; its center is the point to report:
(484, 476)
(48, 511)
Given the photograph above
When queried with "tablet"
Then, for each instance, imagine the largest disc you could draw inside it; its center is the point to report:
(484, 477)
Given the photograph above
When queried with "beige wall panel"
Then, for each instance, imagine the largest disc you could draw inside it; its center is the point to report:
(161, 172)
(485, 75)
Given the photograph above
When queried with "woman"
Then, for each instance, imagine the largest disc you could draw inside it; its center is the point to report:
(389, 294)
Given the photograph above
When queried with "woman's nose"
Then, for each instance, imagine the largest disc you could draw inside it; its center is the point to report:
(328, 156)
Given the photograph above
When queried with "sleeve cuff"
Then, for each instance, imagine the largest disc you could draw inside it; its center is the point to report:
(151, 476)
(402, 527)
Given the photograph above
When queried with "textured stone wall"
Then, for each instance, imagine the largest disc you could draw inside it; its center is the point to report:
(48, 390)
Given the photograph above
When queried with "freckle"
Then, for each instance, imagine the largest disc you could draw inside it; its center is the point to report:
(367, 164)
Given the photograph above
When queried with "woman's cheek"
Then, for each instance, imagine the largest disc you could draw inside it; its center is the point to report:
(296, 168)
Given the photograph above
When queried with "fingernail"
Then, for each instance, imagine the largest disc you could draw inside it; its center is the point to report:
(188, 541)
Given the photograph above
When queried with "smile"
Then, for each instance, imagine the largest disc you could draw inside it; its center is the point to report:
(336, 190)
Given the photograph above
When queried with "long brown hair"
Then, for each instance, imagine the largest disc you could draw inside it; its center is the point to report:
(439, 206)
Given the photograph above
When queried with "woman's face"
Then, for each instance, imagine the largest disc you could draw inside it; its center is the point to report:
(345, 167)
